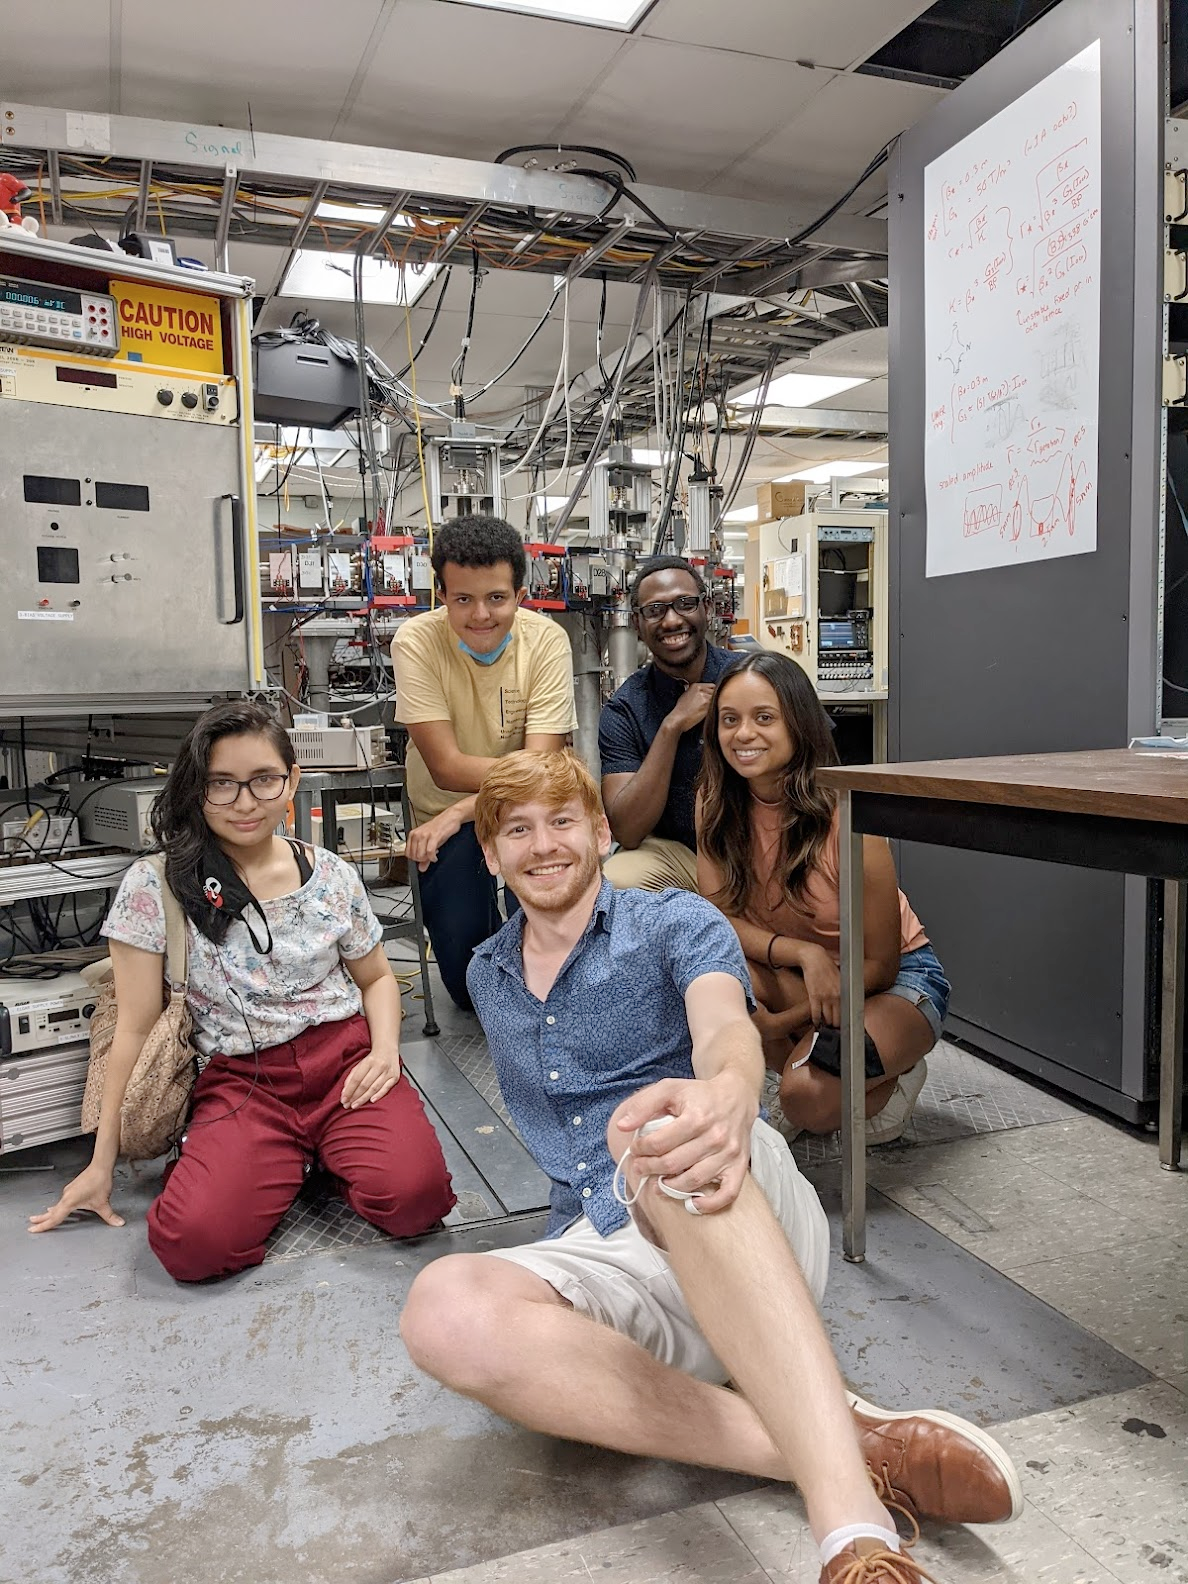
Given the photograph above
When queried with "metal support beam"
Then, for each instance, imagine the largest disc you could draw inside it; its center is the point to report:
(587, 260)
(376, 240)
(300, 232)
(223, 223)
(142, 194)
(458, 234)
(659, 260)
(857, 295)
(55, 176)
(826, 420)
(798, 277)
(181, 143)
(1171, 1031)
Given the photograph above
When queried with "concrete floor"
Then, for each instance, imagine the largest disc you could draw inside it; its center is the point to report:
(271, 1428)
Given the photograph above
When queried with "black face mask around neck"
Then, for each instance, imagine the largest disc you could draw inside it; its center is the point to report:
(227, 894)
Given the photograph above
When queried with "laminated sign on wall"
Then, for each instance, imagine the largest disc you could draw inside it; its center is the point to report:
(1012, 279)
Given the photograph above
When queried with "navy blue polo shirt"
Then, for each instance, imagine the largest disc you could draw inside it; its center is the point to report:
(627, 729)
(613, 1022)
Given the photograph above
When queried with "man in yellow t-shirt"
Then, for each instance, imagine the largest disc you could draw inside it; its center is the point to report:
(476, 679)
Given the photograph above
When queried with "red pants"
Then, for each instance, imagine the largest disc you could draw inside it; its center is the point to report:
(252, 1133)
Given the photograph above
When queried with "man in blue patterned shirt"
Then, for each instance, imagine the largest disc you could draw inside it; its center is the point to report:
(620, 1030)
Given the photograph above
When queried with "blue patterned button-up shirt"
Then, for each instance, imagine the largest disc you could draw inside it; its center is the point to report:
(613, 1022)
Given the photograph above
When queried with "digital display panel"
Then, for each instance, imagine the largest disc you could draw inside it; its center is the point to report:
(67, 375)
(842, 635)
(42, 490)
(31, 294)
(121, 497)
(56, 564)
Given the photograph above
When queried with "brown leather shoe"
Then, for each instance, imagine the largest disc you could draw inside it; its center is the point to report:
(935, 1465)
(869, 1562)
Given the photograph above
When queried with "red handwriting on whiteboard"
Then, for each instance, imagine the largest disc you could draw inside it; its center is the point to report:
(982, 510)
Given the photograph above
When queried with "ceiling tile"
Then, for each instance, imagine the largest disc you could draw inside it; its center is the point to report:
(830, 139)
(59, 60)
(838, 33)
(468, 82)
(680, 113)
(294, 64)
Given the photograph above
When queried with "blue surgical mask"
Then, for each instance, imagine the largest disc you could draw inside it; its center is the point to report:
(485, 659)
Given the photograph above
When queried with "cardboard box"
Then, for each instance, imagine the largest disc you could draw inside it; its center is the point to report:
(780, 500)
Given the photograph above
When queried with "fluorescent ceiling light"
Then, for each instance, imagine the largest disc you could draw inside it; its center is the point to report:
(330, 277)
(735, 536)
(799, 390)
(742, 514)
(621, 14)
(651, 458)
(551, 502)
(366, 214)
(827, 470)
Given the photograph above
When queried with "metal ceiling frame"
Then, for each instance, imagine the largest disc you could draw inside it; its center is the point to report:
(713, 240)
(245, 187)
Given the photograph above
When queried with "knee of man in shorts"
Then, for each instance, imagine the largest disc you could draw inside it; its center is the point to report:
(453, 1323)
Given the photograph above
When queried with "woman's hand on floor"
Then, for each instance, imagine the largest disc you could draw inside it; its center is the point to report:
(370, 1079)
(90, 1190)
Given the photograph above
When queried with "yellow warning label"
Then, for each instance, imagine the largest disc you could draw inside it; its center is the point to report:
(174, 329)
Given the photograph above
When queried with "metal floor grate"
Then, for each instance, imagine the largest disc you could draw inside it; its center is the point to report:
(319, 1220)
(470, 1056)
(963, 1096)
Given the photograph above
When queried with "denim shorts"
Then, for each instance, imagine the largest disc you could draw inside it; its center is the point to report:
(921, 981)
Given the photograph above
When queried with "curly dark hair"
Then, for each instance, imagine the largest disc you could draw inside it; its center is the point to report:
(724, 832)
(479, 541)
(663, 564)
(177, 819)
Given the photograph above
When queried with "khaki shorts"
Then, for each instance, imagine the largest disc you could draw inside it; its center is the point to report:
(655, 865)
(623, 1282)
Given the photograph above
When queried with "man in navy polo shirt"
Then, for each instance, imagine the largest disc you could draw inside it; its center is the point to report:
(684, 1247)
(649, 736)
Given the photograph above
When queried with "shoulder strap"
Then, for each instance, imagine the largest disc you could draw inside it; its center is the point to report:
(177, 966)
(304, 867)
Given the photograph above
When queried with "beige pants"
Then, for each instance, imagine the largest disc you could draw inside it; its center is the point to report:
(655, 865)
(624, 1282)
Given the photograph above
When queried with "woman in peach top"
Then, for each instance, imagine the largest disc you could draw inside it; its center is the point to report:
(767, 855)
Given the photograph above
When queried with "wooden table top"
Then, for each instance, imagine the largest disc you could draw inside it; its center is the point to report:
(1111, 781)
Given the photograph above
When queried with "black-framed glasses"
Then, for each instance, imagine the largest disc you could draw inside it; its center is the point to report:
(223, 790)
(656, 610)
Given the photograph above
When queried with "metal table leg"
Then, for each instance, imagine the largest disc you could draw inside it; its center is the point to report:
(853, 1045)
(414, 886)
(1171, 1031)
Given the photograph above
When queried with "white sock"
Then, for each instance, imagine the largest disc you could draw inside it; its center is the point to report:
(836, 1542)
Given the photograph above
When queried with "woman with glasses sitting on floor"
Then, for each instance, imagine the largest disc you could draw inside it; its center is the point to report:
(296, 1018)
(767, 855)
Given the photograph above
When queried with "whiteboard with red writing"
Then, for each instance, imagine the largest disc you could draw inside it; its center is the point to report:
(1012, 264)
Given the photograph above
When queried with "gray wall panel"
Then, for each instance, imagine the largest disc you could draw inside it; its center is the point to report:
(1030, 658)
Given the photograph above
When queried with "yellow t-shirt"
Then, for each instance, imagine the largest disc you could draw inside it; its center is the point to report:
(528, 690)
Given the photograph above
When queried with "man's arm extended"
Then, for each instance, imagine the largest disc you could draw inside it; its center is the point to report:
(709, 1139)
